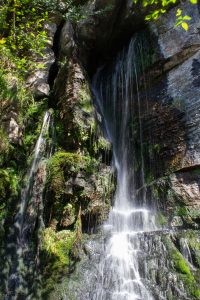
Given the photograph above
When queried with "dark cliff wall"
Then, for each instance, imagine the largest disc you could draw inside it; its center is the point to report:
(79, 177)
(168, 64)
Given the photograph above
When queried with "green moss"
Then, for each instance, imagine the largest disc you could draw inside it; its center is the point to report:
(59, 166)
(60, 250)
(196, 293)
(4, 146)
(58, 244)
(154, 149)
(85, 99)
(160, 219)
(183, 271)
(181, 211)
(32, 120)
(101, 144)
(8, 189)
(180, 263)
(189, 215)
(193, 240)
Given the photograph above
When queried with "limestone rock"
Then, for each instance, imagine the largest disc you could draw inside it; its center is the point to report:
(38, 80)
(67, 40)
(14, 132)
(176, 222)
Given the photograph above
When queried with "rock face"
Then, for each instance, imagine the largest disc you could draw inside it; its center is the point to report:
(80, 181)
(173, 116)
(38, 81)
(168, 111)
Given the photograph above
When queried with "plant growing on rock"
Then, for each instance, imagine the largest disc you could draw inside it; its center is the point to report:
(160, 7)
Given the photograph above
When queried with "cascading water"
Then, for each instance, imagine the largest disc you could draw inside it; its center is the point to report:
(119, 271)
(21, 261)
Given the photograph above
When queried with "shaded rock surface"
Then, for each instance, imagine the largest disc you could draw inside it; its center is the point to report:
(79, 175)
(168, 65)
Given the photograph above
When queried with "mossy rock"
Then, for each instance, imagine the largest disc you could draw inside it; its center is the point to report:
(58, 244)
(183, 271)
(59, 251)
(60, 163)
(75, 180)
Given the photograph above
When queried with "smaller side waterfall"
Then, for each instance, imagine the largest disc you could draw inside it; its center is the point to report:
(185, 250)
(119, 274)
(22, 259)
(27, 193)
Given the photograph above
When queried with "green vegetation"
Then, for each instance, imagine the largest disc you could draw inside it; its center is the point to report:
(23, 36)
(183, 271)
(160, 219)
(59, 166)
(85, 99)
(58, 244)
(180, 263)
(156, 8)
(8, 188)
(60, 249)
(22, 31)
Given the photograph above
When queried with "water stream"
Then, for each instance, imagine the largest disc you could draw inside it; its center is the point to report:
(119, 271)
(21, 258)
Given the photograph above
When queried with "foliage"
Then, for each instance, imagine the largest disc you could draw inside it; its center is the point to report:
(159, 7)
(22, 29)
(4, 146)
(66, 164)
(63, 245)
(8, 188)
(58, 244)
(183, 271)
(160, 219)
(60, 164)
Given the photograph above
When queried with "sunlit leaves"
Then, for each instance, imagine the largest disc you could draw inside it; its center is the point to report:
(155, 15)
(2, 41)
(182, 20)
(159, 7)
(185, 26)
(179, 12)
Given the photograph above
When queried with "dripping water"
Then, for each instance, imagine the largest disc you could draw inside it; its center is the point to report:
(22, 260)
(185, 250)
(119, 269)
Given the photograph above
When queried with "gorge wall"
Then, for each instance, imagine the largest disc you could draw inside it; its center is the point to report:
(80, 179)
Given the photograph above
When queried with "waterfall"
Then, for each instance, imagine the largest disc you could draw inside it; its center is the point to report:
(116, 101)
(185, 250)
(39, 153)
(22, 259)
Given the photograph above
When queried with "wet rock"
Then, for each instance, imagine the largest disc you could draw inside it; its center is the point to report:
(68, 216)
(172, 39)
(186, 187)
(176, 222)
(67, 43)
(38, 81)
(14, 132)
(10, 124)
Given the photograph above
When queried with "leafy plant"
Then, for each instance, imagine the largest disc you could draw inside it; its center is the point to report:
(159, 7)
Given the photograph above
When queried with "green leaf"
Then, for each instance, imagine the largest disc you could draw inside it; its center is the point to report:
(148, 17)
(2, 41)
(179, 12)
(193, 1)
(187, 18)
(178, 23)
(185, 26)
